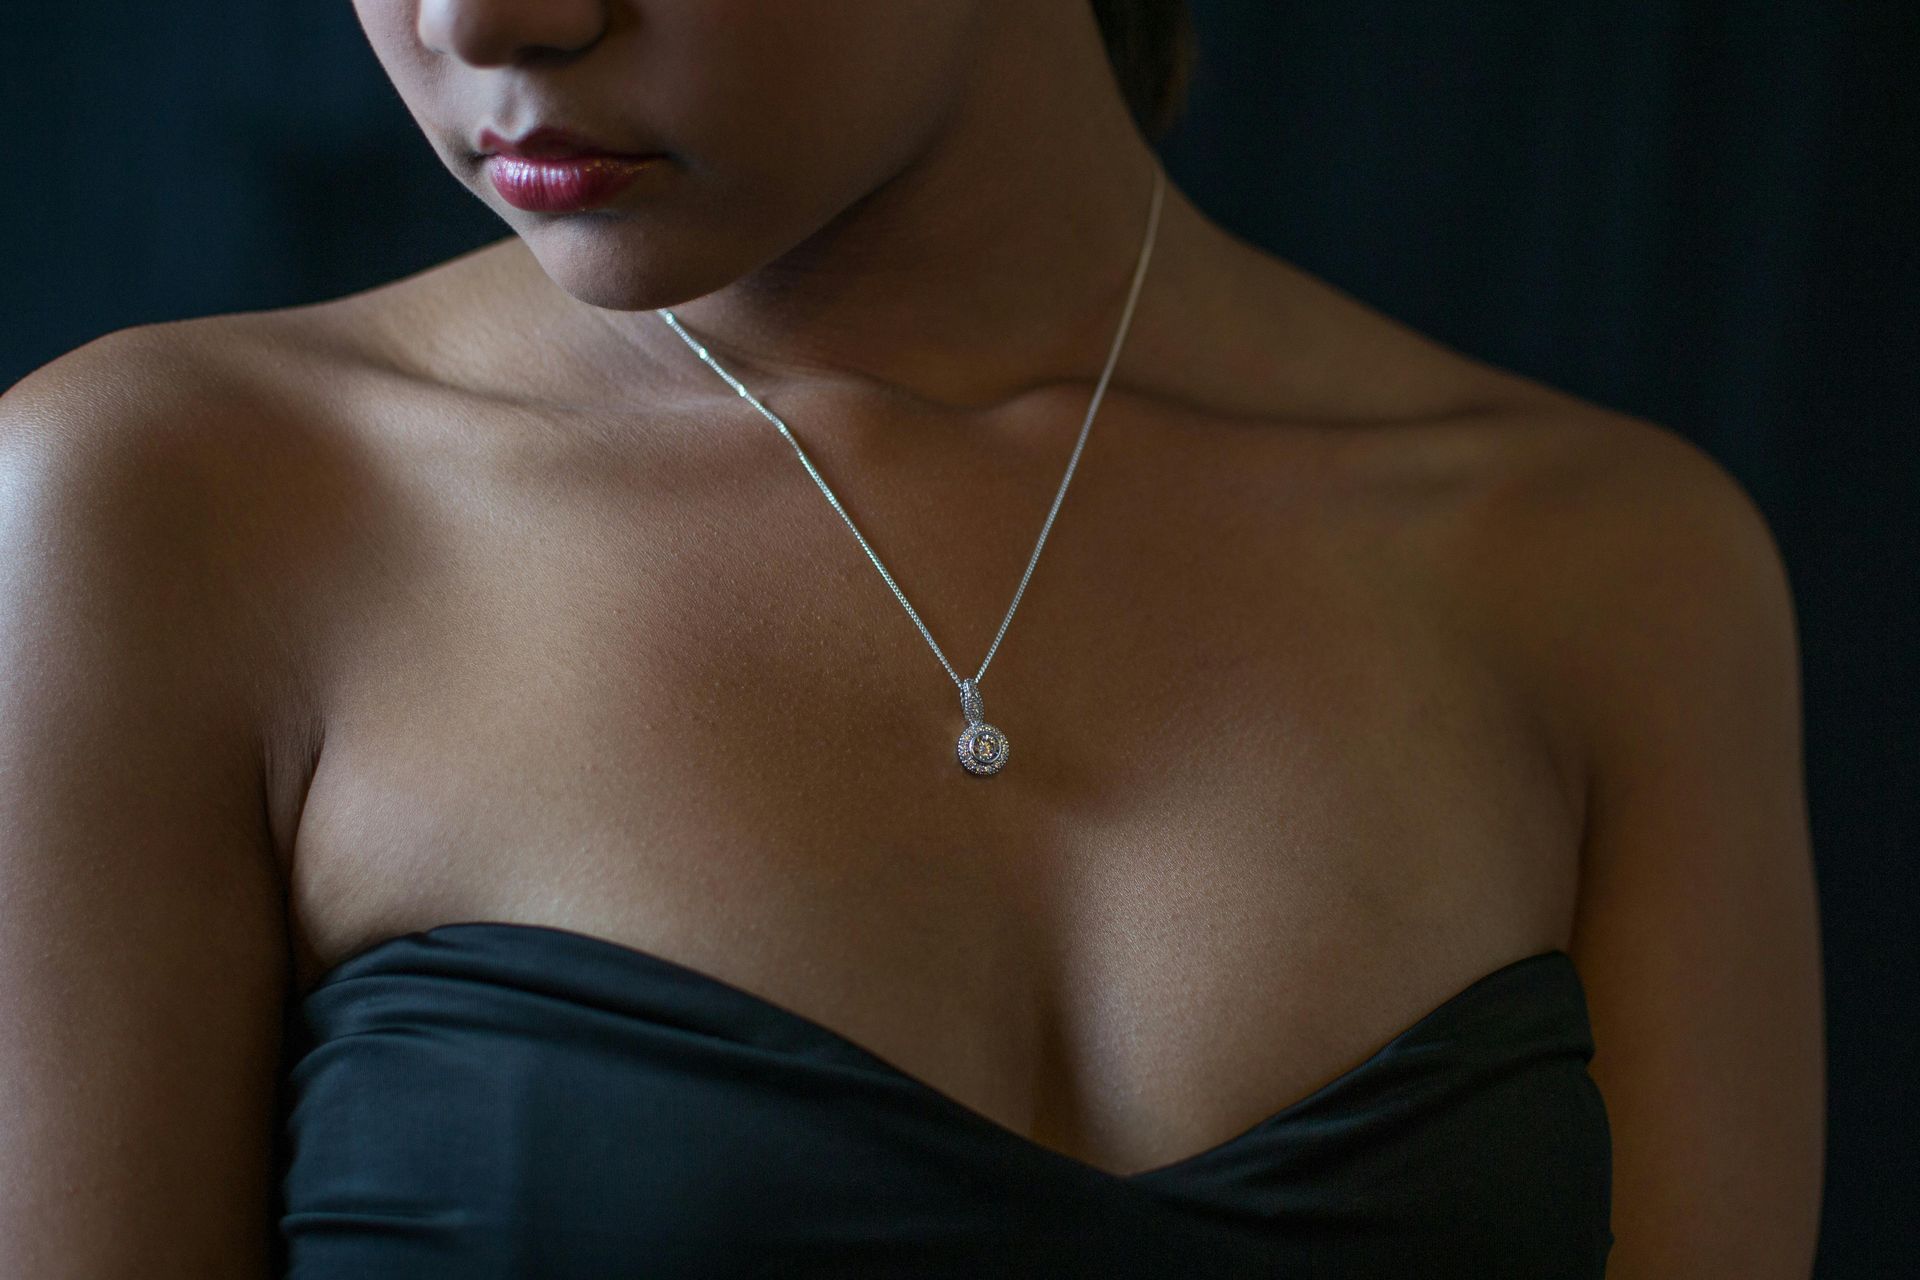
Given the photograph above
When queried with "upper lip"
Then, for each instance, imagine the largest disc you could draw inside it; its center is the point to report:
(547, 142)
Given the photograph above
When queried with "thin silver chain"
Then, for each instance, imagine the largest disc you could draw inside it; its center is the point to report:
(1126, 321)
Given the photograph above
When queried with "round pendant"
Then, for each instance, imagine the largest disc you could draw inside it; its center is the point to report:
(983, 748)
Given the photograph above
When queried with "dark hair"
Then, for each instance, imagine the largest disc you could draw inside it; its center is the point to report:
(1151, 46)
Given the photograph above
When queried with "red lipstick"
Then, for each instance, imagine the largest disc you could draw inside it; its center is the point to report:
(552, 171)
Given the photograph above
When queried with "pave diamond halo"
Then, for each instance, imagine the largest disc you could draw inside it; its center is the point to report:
(983, 749)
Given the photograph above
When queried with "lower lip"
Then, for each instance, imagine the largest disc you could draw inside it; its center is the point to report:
(567, 185)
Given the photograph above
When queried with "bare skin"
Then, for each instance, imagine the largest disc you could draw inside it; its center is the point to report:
(1353, 670)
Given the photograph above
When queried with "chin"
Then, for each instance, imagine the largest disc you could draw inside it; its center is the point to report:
(612, 265)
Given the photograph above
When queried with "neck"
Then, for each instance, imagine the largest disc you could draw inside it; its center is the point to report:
(996, 261)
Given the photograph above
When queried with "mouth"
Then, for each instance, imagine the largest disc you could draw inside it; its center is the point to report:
(571, 184)
(553, 170)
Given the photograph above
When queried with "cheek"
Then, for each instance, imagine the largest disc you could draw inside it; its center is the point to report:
(842, 90)
(395, 40)
(387, 23)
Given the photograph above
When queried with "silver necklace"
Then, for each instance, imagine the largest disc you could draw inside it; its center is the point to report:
(983, 748)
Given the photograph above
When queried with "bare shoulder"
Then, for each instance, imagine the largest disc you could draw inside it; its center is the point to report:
(1564, 518)
(188, 466)
(1637, 585)
(130, 432)
(164, 429)
(143, 953)
(1648, 505)
(177, 384)
(1598, 551)
(235, 410)
(201, 378)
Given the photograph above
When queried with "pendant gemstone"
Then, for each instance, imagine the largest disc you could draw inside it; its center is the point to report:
(983, 749)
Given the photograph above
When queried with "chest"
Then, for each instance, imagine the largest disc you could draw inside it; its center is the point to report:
(1264, 788)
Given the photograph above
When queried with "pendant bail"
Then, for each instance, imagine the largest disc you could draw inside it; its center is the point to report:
(970, 702)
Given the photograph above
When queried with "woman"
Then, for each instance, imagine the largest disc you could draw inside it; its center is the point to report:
(470, 808)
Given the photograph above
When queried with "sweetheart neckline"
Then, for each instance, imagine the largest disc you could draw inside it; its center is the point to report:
(346, 970)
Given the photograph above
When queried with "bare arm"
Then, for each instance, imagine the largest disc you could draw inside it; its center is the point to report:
(1696, 932)
(142, 951)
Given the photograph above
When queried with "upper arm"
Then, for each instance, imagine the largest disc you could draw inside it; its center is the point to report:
(1696, 930)
(142, 951)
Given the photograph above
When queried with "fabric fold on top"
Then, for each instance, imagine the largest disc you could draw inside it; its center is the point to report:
(491, 1098)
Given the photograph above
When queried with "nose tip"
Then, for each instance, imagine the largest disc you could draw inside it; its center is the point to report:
(492, 33)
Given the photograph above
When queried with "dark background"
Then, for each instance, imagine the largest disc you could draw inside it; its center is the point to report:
(1701, 213)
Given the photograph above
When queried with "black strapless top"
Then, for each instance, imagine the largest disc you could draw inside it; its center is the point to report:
(491, 1099)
